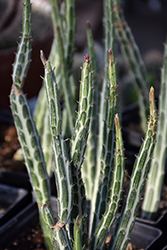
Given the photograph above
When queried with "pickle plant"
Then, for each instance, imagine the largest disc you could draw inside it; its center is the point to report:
(154, 183)
(153, 189)
(73, 229)
(155, 178)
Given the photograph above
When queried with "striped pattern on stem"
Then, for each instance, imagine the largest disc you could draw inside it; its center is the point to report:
(129, 211)
(157, 169)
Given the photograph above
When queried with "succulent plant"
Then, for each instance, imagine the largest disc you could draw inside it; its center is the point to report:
(155, 178)
(154, 183)
(61, 56)
(73, 229)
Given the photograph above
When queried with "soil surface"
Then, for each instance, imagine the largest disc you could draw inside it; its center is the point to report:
(8, 146)
(32, 239)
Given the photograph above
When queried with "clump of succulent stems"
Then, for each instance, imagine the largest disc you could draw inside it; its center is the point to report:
(154, 183)
(90, 165)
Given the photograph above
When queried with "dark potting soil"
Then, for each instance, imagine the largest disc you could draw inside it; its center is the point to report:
(9, 144)
(33, 239)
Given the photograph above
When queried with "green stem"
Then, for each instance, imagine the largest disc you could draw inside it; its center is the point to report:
(129, 211)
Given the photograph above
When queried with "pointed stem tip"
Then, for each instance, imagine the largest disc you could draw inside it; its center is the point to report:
(110, 55)
(42, 56)
(86, 59)
(151, 95)
(117, 123)
(152, 101)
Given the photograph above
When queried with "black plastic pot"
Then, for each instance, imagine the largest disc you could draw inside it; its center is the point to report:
(15, 179)
(22, 222)
(13, 228)
(160, 223)
(15, 195)
(142, 236)
(12, 200)
(23, 210)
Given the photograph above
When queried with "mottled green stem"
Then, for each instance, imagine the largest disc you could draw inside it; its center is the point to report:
(98, 240)
(105, 151)
(88, 169)
(24, 123)
(30, 144)
(79, 137)
(23, 55)
(109, 29)
(41, 118)
(103, 110)
(157, 169)
(77, 234)
(40, 110)
(129, 211)
(62, 162)
(62, 71)
(70, 29)
(78, 144)
(58, 231)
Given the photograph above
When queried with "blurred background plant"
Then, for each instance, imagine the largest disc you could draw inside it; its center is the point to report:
(146, 18)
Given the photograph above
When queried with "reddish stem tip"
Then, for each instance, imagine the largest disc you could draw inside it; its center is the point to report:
(87, 57)
(116, 118)
(151, 94)
(110, 53)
